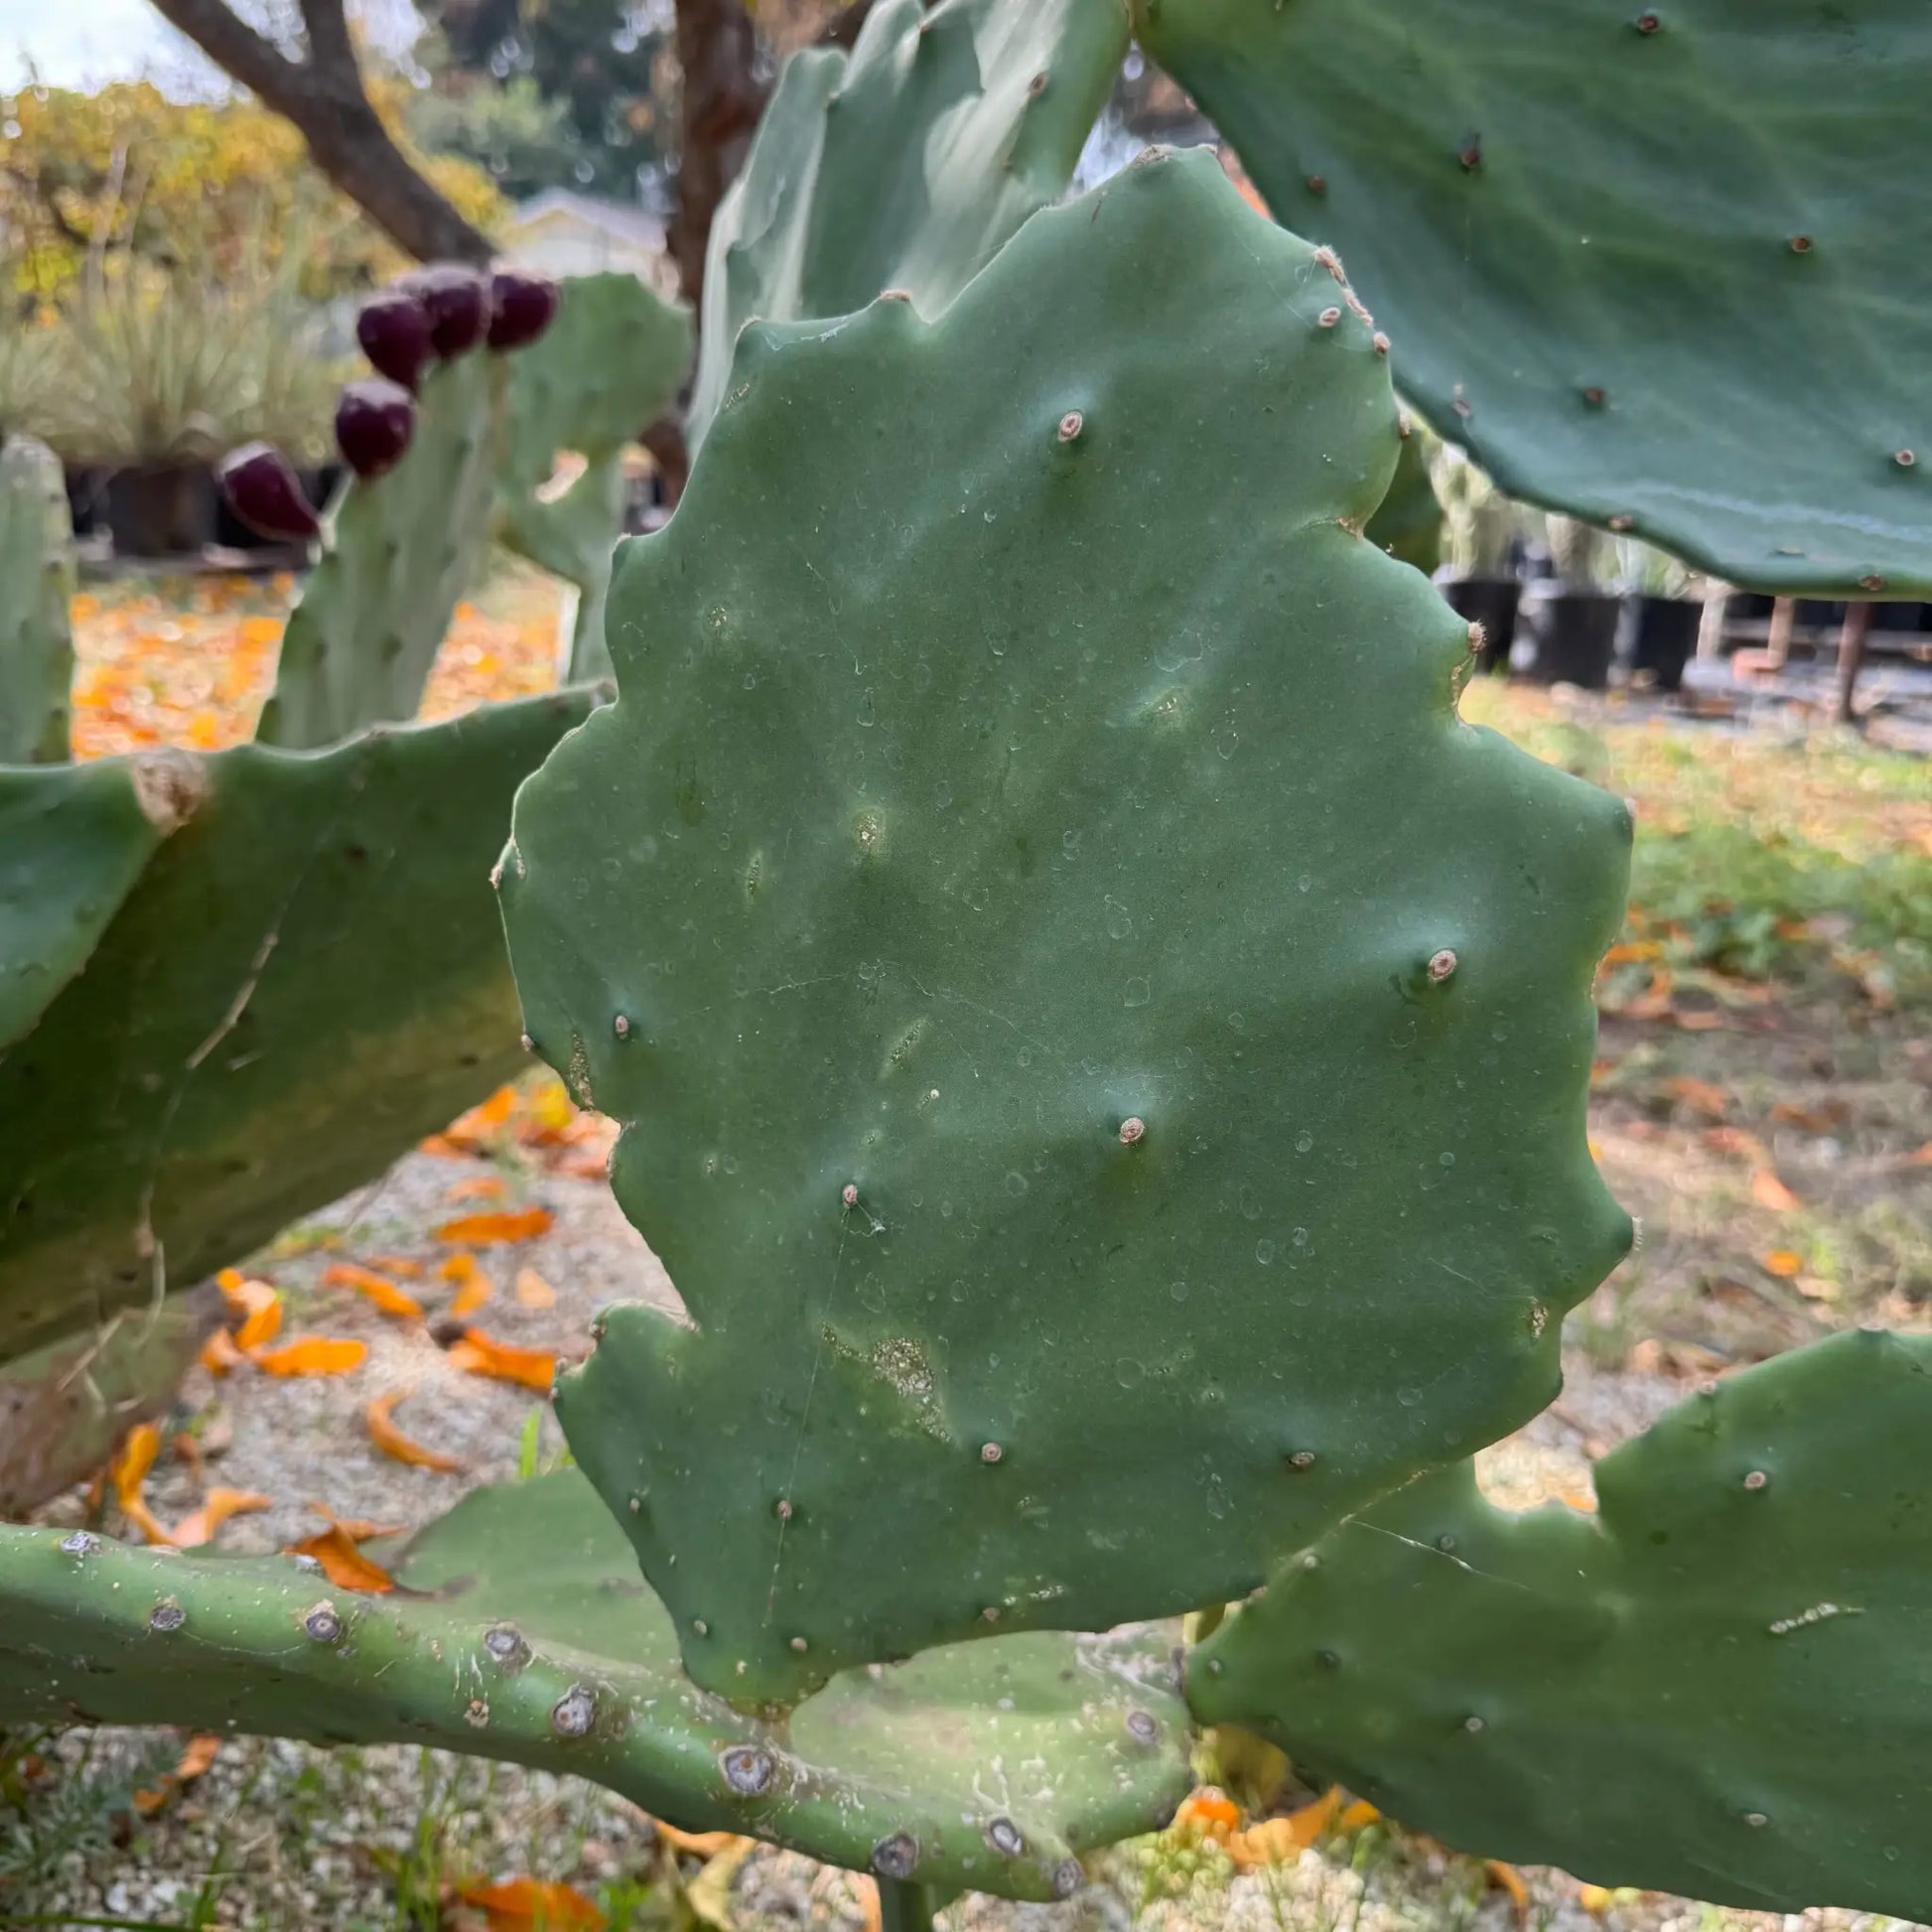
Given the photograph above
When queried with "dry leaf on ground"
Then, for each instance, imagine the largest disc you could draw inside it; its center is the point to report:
(533, 1906)
(478, 1187)
(313, 1355)
(129, 1471)
(390, 1440)
(342, 1562)
(377, 1287)
(219, 1355)
(532, 1291)
(479, 1354)
(488, 1230)
(1279, 1841)
(199, 1527)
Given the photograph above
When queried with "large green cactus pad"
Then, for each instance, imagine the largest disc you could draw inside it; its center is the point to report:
(65, 1407)
(1718, 1687)
(35, 582)
(1648, 263)
(305, 978)
(519, 1629)
(74, 839)
(1019, 748)
(904, 167)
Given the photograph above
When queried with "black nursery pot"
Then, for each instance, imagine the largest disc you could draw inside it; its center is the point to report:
(1663, 633)
(161, 509)
(1907, 617)
(1573, 634)
(87, 498)
(1491, 603)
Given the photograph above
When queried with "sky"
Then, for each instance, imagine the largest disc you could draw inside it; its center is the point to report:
(85, 43)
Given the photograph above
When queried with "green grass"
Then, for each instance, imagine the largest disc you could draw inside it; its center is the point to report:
(1806, 862)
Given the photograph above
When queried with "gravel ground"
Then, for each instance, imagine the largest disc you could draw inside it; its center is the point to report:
(280, 1835)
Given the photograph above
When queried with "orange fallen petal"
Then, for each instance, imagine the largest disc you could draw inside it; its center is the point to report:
(220, 1354)
(1784, 1263)
(586, 1167)
(378, 1287)
(342, 1562)
(1510, 1881)
(195, 1530)
(1206, 1811)
(460, 1267)
(486, 1231)
(198, 1756)
(476, 1287)
(480, 1354)
(532, 1291)
(533, 1906)
(1630, 949)
(437, 1144)
(481, 1121)
(699, 1844)
(151, 1798)
(129, 1471)
(1699, 1095)
(481, 1186)
(390, 1440)
(229, 1280)
(1767, 1190)
(1361, 1813)
(359, 1529)
(261, 1308)
(314, 1355)
(1276, 1841)
(1736, 1140)
(1595, 1899)
(401, 1265)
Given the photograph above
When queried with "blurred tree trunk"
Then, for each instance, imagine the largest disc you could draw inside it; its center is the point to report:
(323, 96)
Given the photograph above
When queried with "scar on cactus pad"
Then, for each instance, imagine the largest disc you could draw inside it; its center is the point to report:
(944, 826)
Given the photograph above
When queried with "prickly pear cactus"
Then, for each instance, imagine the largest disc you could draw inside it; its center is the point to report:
(1716, 1687)
(73, 840)
(519, 1630)
(304, 977)
(1408, 522)
(404, 546)
(1044, 928)
(35, 582)
(904, 167)
(65, 1409)
(1565, 218)
(608, 364)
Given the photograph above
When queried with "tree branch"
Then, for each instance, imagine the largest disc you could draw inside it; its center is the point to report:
(717, 46)
(331, 52)
(324, 99)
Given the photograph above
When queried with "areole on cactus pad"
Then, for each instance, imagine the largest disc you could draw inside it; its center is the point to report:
(1024, 986)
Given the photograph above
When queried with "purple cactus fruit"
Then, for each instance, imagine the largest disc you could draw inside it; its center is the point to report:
(457, 302)
(374, 422)
(393, 329)
(264, 492)
(522, 308)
